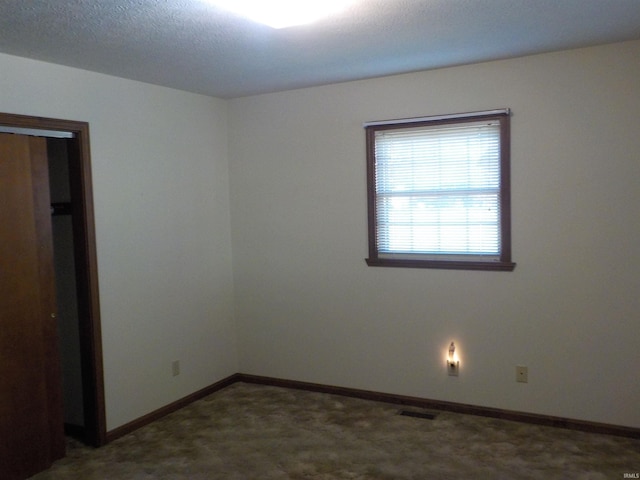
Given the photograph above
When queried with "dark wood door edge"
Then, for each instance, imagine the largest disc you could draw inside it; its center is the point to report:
(86, 262)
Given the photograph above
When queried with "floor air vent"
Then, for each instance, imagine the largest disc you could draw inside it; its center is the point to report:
(425, 415)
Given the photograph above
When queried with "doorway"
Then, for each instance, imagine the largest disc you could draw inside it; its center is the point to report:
(72, 139)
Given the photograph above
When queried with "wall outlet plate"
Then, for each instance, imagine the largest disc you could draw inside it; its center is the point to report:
(453, 368)
(175, 368)
(522, 374)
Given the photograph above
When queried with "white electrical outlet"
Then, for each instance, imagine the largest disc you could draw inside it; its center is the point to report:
(175, 368)
(522, 374)
(453, 368)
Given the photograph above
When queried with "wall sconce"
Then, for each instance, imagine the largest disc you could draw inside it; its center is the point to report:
(453, 364)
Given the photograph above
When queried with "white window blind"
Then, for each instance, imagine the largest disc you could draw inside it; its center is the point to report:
(437, 190)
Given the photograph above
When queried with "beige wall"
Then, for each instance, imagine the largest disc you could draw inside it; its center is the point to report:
(306, 305)
(308, 308)
(160, 183)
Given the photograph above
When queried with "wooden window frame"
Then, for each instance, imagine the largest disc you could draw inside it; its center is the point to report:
(504, 262)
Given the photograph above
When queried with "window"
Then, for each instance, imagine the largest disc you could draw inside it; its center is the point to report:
(438, 192)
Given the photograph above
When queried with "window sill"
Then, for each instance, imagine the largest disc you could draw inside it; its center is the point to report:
(441, 264)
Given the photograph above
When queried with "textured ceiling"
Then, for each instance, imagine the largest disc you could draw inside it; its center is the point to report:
(194, 46)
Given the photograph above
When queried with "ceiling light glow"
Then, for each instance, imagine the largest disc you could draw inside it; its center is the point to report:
(283, 13)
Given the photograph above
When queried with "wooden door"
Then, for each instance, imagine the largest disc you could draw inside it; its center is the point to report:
(31, 413)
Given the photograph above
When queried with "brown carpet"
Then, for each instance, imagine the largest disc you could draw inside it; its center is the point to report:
(259, 432)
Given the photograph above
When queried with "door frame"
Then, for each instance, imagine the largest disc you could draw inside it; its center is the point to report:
(86, 266)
